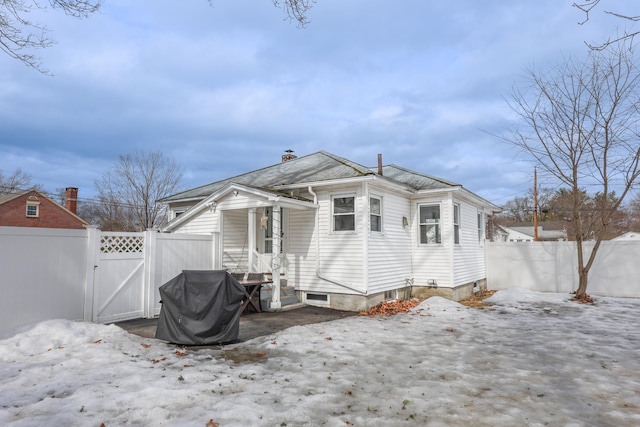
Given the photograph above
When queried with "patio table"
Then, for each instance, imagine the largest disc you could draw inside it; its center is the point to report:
(251, 288)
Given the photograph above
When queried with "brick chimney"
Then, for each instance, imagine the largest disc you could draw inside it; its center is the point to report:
(288, 155)
(71, 199)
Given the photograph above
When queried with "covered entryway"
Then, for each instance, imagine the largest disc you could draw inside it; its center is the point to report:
(254, 231)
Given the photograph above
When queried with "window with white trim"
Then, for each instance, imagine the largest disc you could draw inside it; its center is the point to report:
(344, 213)
(480, 227)
(430, 224)
(33, 209)
(456, 224)
(375, 214)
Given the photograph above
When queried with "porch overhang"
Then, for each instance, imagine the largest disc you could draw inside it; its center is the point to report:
(252, 197)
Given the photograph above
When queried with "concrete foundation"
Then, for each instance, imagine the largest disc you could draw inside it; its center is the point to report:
(457, 293)
(350, 302)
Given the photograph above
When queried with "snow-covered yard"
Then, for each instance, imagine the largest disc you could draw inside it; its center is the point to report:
(530, 359)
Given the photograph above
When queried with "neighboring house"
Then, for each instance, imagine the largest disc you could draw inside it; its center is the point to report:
(525, 232)
(344, 235)
(629, 235)
(31, 208)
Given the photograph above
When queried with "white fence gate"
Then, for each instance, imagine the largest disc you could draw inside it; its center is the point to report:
(119, 279)
(130, 267)
(92, 275)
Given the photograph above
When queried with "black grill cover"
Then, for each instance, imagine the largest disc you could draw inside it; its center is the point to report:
(200, 307)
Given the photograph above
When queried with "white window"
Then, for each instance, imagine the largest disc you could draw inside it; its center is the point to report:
(430, 224)
(456, 224)
(375, 214)
(33, 209)
(480, 227)
(344, 213)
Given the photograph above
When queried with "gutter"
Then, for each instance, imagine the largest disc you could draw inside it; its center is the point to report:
(319, 274)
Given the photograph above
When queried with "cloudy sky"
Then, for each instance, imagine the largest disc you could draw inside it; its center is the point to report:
(225, 88)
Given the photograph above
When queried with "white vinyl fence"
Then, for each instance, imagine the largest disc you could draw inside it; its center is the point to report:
(552, 267)
(92, 275)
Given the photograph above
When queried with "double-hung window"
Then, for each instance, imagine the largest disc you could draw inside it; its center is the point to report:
(344, 213)
(456, 224)
(375, 214)
(480, 227)
(33, 209)
(430, 224)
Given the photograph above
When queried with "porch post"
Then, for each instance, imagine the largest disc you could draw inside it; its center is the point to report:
(276, 259)
(93, 256)
(251, 241)
(149, 274)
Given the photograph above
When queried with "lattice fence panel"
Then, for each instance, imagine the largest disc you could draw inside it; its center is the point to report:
(110, 244)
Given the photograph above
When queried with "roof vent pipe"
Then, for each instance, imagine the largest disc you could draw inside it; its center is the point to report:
(380, 164)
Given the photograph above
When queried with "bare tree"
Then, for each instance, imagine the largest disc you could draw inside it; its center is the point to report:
(580, 124)
(296, 10)
(17, 181)
(588, 6)
(20, 36)
(128, 193)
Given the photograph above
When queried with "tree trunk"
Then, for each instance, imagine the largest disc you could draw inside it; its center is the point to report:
(583, 275)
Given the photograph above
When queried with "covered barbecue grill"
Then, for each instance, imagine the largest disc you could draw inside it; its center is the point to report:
(200, 307)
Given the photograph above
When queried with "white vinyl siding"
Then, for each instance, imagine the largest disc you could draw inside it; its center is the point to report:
(302, 249)
(389, 253)
(204, 223)
(432, 261)
(235, 240)
(341, 256)
(468, 256)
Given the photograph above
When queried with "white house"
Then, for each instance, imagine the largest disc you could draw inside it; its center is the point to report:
(629, 235)
(343, 235)
(525, 232)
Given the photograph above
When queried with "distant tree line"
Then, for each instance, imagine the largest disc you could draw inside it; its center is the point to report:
(128, 193)
(557, 205)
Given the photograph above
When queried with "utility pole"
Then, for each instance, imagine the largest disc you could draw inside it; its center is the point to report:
(535, 205)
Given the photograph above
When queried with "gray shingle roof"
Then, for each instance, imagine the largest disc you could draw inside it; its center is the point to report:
(313, 168)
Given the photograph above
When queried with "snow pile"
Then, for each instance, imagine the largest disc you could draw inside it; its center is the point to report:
(529, 359)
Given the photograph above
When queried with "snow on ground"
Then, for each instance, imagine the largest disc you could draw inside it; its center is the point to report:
(530, 359)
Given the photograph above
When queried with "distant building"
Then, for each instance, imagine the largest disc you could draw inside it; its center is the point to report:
(629, 235)
(31, 208)
(525, 232)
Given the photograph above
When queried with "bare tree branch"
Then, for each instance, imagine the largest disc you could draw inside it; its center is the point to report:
(19, 36)
(588, 6)
(296, 10)
(128, 193)
(17, 181)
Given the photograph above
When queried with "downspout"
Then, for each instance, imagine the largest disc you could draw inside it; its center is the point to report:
(319, 275)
